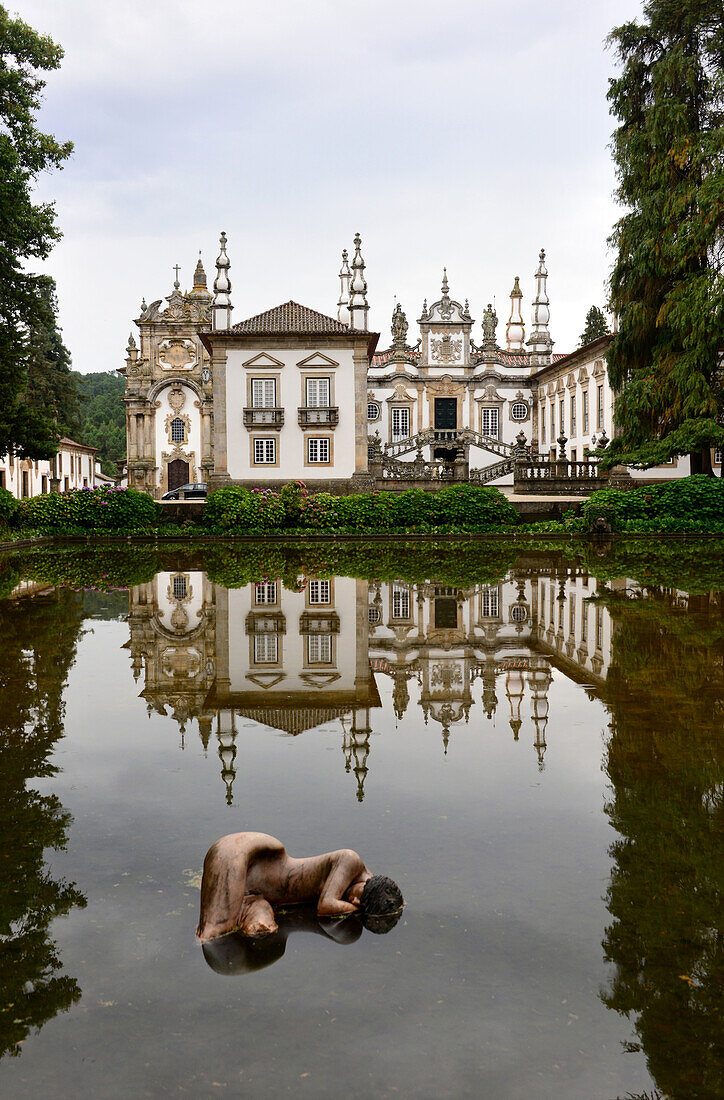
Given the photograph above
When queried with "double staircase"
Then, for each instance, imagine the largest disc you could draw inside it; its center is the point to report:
(448, 437)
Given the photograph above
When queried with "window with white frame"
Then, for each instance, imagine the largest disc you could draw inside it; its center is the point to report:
(519, 411)
(400, 601)
(400, 422)
(373, 616)
(263, 393)
(599, 628)
(318, 450)
(584, 622)
(572, 614)
(543, 423)
(572, 424)
(585, 413)
(553, 421)
(318, 393)
(319, 592)
(718, 456)
(265, 592)
(373, 410)
(490, 421)
(319, 649)
(562, 415)
(519, 613)
(265, 451)
(489, 603)
(179, 587)
(178, 430)
(599, 414)
(266, 649)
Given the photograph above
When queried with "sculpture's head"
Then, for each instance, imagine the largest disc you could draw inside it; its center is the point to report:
(382, 904)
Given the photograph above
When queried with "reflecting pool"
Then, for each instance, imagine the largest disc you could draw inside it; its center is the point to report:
(528, 739)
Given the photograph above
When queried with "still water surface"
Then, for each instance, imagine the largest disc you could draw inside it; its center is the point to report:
(530, 744)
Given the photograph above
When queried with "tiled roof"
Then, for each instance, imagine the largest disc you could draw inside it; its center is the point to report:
(65, 442)
(290, 318)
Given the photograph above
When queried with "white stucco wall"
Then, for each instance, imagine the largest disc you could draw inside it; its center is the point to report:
(289, 367)
(74, 466)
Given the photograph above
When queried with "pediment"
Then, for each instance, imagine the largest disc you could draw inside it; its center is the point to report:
(318, 359)
(598, 369)
(490, 393)
(583, 375)
(319, 679)
(571, 382)
(263, 361)
(266, 680)
(400, 394)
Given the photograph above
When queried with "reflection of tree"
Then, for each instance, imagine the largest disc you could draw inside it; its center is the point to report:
(37, 650)
(666, 763)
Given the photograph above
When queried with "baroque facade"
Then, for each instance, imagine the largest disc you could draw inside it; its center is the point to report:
(292, 393)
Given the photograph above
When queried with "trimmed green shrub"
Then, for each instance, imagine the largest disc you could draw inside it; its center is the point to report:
(244, 511)
(693, 504)
(106, 509)
(8, 506)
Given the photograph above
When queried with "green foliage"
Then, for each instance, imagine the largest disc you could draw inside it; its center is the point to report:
(29, 341)
(458, 508)
(103, 417)
(103, 509)
(694, 504)
(667, 285)
(596, 326)
(8, 507)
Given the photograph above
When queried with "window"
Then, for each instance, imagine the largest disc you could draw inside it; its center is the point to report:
(572, 615)
(85, 482)
(543, 423)
(553, 422)
(489, 422)
(373, 616)
(263, 393)
(179, 587)
(26, 483)
(573, 416)
(318, 450)
(178, 430)
(562, 417)
(265, 451)
(599, 628)
(2, 480)
(319, 649)
(66, 484)
(489, 603)
(373, 410)
(265, 593)
(599, 414)
(584, 623)
(574, 454)
(317, 393)
(400, 423)
(519, 613)
(266, 649)
(519, 410)
(319, 592)
(718, 456)
(585, 412)
(400, 601)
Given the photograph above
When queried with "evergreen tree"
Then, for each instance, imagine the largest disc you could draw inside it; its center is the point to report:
(27, 233)
(596, 326)
(50, 386)
(667, 286)
(103, 417)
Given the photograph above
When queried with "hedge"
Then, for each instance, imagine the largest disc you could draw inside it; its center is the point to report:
(104, 509)
(691, 504)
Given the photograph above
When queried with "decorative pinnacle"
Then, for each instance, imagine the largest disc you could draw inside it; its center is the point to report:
(176, 284)
(144, 307)
(131, 342)
(516, 292)
(445, 287)
(199, 274)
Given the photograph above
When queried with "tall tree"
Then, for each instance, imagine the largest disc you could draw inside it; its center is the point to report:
(667, 285)
(51, 387)
(596, 326)
(27, 232)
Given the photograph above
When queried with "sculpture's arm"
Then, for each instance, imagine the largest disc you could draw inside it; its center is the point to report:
(347, 867)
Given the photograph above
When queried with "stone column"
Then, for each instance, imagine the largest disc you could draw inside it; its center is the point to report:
(132, 440)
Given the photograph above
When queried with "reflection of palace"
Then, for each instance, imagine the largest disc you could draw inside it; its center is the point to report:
(295, 660)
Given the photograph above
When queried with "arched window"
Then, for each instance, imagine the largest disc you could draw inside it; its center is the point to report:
(178, 430)
(519, 411)
(373, 410)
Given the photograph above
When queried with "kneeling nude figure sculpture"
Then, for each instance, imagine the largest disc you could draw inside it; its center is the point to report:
(247, 874)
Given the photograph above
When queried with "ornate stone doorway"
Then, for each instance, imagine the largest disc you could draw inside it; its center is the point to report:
(178, 473)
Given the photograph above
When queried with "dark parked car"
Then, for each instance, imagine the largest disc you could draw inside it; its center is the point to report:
(192, 491)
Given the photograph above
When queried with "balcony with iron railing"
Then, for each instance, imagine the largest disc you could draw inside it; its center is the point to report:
(263, 418)
(318, 417)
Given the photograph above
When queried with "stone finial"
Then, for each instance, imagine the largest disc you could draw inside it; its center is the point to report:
(358, 305)
(199, 276)
(345, 278)
(540, 343)
(515, 329)
(222, 306)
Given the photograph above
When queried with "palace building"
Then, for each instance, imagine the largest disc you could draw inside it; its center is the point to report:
(293, 393)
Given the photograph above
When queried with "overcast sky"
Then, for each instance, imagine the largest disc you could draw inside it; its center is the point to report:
(468, 134)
